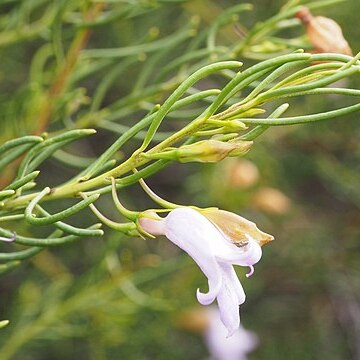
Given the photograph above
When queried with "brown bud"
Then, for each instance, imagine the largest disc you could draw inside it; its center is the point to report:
(194, 320)
(324, 34)
(242, 173)
(271, 200)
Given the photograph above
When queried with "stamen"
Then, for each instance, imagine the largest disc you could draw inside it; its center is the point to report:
(13, 238)
(252, 270)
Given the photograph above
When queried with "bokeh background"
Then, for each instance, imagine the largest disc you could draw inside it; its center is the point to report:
(125, 298)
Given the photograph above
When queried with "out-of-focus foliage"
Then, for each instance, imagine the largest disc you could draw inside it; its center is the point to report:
(120, 297)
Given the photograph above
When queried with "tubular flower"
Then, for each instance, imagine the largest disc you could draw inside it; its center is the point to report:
(214, 252)
(221, 348)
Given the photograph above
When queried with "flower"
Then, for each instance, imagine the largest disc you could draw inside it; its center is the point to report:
(220, 347)
(215, 253)
(224, 348)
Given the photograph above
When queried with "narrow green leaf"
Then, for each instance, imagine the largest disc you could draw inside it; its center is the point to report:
(20, 255)
(305, 118)
(141, 48)
(14, 154)
(20, 141)
(6, 193)
(40, 152)
(58, 216)
(98, 164)
(5, 268)
(259, 129)
(24, 180)
(43, 242)
(72, 229)
(190, 81)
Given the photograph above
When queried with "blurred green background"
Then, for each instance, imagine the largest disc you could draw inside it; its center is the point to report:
(123, 298)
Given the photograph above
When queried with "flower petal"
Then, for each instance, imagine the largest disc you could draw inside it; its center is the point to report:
(227, 348)
(247, 255)
(232, 277)
(209, 297)
(194, 234)
(229, 298)
(235, 227)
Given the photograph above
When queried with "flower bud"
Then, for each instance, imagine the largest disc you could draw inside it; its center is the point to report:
(235, 125)
(271, 200)
(241, 173)
(195, 320)
(206, 151)
(212, 150)
(324, 33)
(236, 228)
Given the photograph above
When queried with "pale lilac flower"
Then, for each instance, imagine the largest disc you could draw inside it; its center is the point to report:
(214, 252)
(220, 346)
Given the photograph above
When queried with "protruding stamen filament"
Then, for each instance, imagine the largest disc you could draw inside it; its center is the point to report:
(251, 271)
